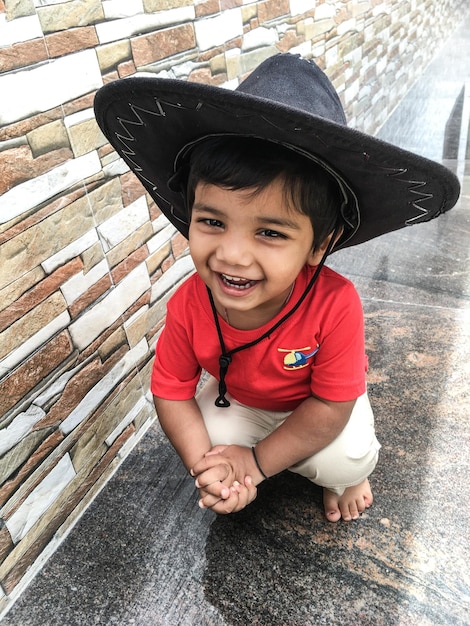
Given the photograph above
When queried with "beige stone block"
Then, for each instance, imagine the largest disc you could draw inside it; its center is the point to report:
(6, 544)
(317, 28)
(349, 43)
(137, 326)
(117, 339)
(252, 59)
(110, 55)
(106, 200)
(45, 448)
(232, 61)
(360, 7)
(145, 373)
(109, 158)
(144, 418)
(17, 288)
(14, 458)
(91, 445)
(57, 17)
(22, 253)
(156, 259)
(152, 6)
(31, 323)
(92, 256)
(218, 64)
(129, 245)
(157, 311)
(85, 137)
(48, 137)
(249, 12)
(19, 8)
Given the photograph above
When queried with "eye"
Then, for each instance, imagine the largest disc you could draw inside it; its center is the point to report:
(272, 234)
(211, 222)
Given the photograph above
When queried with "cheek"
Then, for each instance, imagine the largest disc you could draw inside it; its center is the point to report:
(198, 248)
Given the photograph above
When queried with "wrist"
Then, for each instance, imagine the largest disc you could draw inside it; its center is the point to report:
(258, 465)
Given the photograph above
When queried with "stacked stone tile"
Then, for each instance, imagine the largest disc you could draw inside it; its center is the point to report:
(87, 261)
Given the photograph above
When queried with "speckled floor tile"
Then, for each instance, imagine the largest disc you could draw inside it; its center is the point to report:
(145, 554)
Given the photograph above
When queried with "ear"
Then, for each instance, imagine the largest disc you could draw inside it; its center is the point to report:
(317, 255)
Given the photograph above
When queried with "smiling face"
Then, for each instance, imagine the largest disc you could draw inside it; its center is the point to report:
(249, 247)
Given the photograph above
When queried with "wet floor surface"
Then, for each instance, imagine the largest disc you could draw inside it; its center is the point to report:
(145, 554)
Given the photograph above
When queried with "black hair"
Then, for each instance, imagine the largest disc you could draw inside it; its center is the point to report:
(250, 163)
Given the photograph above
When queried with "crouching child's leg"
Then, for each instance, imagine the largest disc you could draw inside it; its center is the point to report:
(343, 467)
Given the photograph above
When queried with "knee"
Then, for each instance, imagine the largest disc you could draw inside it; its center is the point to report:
(339, 468)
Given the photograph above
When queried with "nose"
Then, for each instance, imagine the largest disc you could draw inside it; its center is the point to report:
(234, 250)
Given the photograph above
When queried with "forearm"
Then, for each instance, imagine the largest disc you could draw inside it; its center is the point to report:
(184, 426)
(310, 428)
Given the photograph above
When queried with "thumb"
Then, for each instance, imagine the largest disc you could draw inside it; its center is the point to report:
(215, 450)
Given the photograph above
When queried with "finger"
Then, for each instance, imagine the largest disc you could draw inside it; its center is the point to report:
(251, 487)
(209, 501)
(215, 450)
(206, 463)
(230, 505)
(246, 494)
(216, 491)
(216, 474)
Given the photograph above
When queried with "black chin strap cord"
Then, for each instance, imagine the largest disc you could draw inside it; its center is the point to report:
(226, 357)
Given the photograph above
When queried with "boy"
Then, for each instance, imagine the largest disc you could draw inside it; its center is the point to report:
(266, 181)
(250, 238)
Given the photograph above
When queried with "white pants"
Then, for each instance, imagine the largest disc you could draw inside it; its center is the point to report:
(346, 461)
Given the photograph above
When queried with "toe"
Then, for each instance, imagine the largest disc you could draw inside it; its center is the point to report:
(333, 515)
(330, 502)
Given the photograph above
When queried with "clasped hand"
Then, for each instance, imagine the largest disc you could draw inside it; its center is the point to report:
(224, 477)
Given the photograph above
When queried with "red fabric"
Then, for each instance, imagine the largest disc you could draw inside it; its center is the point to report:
(262, 376)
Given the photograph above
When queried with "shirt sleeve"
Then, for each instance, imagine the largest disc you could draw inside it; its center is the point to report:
(338, 372)
(176, 371)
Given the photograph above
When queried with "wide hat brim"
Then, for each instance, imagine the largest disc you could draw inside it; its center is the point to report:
(150, 121)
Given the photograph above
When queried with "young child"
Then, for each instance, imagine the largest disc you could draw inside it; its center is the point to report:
(266, 181)
(261, 220)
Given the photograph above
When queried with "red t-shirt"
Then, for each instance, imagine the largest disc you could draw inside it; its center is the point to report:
(319, 350)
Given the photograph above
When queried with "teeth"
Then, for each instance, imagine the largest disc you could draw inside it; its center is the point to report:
(235, 281)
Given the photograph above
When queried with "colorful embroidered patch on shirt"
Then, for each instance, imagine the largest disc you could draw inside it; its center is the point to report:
(296, 358)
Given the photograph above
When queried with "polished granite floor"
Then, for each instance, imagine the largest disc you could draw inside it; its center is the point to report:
(145, 554)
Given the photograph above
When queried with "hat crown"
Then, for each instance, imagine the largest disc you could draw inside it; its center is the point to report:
(296, 83)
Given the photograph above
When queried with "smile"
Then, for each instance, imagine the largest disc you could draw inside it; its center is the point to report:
(236, 282)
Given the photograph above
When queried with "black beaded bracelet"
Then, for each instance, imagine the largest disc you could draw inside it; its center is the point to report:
(257, 463)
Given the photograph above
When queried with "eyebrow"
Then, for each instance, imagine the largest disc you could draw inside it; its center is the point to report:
(204, 208)
(264, 221)
(277, 221)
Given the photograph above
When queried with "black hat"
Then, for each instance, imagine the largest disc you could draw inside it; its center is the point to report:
(153, 123)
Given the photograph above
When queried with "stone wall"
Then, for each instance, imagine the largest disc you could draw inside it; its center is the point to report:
(87, 262)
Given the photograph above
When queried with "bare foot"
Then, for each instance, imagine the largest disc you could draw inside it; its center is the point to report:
(348, 506)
